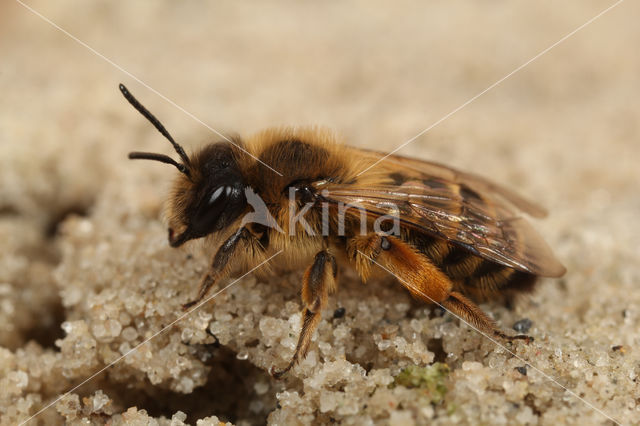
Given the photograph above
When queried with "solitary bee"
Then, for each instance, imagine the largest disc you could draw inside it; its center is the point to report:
(449, 237)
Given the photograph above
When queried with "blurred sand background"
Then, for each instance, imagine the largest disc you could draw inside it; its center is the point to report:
(84, 247)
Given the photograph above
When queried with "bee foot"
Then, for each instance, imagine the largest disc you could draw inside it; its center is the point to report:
(187, 306)
(527, 339)
(277, 374)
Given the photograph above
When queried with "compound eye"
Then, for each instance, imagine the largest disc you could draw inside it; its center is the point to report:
(206, 217)
(217, 193)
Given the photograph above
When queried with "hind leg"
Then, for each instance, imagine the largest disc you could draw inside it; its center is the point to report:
(464, 308)
(422, 278)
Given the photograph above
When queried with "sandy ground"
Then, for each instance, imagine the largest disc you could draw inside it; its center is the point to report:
(86, 273)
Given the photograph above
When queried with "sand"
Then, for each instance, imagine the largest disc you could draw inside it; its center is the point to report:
(86, 273)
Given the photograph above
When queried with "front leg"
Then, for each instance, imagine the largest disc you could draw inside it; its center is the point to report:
(223, 262)
(319, 280)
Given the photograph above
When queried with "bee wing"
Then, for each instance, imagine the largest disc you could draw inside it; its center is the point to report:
(461, 208)
(432, 170)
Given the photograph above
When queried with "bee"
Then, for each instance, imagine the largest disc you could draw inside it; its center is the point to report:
(449, 237)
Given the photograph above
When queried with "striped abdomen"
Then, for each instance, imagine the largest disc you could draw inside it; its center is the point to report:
(472, 275)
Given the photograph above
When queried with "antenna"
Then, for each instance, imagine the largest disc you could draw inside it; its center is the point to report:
(158, 157)
(184, 168)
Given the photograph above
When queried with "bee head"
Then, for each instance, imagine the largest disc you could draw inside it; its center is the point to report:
(209, 192)
(210, 198)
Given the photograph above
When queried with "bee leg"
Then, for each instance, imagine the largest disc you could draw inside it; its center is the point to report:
(221, 265)
(471, 313)
(319, 280)
(421, 277)
(414, 270)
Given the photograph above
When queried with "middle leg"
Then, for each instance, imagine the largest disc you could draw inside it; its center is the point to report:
(318, 282)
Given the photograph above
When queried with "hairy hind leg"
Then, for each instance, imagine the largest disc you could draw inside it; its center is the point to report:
(319, 280)
(472, 314)
(420, 276)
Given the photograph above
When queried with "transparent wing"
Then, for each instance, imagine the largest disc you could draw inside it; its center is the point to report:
(459, 207)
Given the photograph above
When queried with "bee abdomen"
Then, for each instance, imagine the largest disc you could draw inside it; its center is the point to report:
(459, 263)
(491, 280)
(472, 275)
(456, 262)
